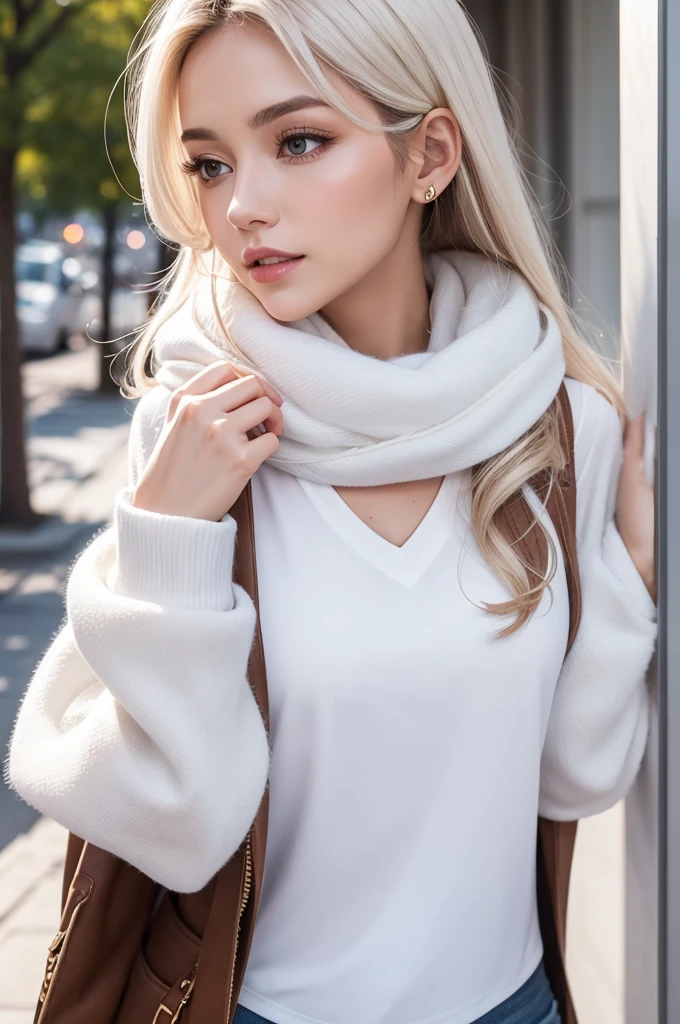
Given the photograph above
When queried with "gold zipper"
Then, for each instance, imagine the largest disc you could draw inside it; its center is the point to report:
(57, 946)
(245, 894)
(52, 960)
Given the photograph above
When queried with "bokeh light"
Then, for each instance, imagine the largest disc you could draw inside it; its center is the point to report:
(136, 240)
(74, 233)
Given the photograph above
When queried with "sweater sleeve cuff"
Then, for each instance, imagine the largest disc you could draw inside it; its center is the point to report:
(173, 561)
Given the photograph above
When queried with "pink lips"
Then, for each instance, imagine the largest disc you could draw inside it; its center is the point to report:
(274, 271)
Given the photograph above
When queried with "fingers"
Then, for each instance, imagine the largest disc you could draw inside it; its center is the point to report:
(261, 448)
(216, 379)
(261, 410)
(239, 391)
(219, 389)
(237, 373)
(208, 378)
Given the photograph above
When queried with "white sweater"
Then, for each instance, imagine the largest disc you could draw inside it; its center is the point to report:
(139, 730)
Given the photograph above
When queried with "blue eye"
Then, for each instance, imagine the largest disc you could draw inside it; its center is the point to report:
(210, 169)
(297, 139)
(297, 136)
(210, 165)
(199, 166)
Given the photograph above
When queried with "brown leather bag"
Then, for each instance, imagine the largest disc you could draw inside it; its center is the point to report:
(132, 952)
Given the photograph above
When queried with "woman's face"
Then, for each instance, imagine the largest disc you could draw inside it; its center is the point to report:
(306, 182)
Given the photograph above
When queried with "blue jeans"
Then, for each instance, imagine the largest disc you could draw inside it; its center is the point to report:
(533, 1003)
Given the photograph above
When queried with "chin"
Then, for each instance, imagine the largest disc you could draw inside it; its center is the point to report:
(288, 308)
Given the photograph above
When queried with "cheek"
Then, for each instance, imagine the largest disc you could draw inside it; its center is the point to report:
(214, 214)
(354, 197)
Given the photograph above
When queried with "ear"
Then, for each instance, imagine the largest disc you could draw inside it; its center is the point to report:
(437, 152)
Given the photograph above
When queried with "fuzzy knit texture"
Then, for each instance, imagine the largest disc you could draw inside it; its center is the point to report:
(139, 730)
(493, 365)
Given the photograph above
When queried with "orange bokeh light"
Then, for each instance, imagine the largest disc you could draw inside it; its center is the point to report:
(136, 240)
(74, 233)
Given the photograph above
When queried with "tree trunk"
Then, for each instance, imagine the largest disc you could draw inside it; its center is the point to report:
(108, 349)
(15, 503)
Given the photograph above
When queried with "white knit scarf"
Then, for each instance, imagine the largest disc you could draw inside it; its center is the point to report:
(493, 366)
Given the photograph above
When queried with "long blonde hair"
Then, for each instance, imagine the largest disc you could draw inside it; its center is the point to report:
(407, 56)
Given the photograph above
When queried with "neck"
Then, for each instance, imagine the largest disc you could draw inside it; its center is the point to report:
(387, 313)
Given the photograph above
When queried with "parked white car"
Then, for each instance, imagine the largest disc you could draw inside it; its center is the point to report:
(49, 295)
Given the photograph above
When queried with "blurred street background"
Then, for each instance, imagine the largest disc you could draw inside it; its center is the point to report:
(79, 269)
(77, 452)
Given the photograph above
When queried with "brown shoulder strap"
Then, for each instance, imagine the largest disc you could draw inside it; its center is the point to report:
(556, 839)
(245, 574)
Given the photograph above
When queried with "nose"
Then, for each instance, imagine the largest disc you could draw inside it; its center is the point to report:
(251, 202)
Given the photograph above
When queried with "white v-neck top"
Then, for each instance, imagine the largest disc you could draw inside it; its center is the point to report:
(404, 564)
(399, 875)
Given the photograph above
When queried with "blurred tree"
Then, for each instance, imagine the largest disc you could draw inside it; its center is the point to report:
(59, 60)
(64, 157)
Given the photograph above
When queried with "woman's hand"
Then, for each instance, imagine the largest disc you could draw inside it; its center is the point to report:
(204, 457)
(635, 517)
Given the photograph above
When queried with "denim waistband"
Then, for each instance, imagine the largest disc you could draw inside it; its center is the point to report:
(532, 1003)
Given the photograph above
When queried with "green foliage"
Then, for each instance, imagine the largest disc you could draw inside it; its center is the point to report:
(58, 102)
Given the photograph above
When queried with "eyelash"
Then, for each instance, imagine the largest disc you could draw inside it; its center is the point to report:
(195, 164)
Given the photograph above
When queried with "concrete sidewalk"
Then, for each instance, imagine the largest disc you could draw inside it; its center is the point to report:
(73, 432)
(77, 446)
(77, 449)
(31, 869)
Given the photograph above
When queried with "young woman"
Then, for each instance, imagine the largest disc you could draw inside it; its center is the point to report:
(365, 321)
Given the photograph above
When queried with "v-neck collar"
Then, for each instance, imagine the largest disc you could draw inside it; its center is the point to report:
(405, 564)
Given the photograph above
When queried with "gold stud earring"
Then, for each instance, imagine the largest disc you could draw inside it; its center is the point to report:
(430, 194)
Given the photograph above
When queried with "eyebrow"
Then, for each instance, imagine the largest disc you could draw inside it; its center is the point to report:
(259, 120)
